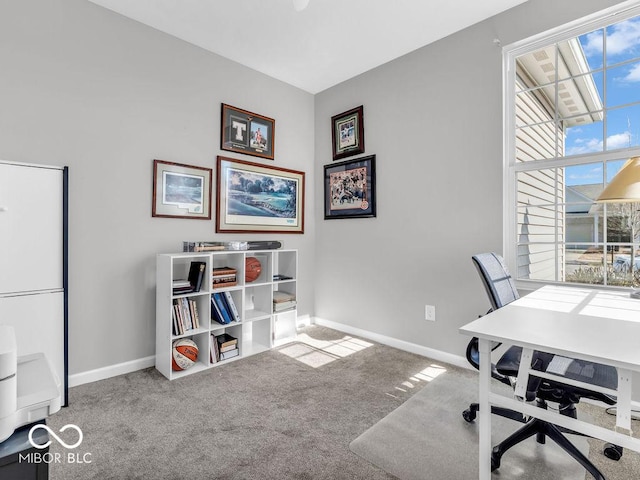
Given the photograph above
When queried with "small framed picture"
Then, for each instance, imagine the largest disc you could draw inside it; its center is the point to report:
(181, 191)
(247, 132)
(350, 188)
(347, 133)
(255, 198)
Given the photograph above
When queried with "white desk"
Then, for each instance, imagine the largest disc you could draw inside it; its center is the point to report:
(574, 322)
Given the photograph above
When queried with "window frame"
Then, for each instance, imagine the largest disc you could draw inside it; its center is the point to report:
(511, 168)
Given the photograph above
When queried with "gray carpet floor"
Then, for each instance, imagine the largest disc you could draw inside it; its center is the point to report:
(426, 428)
(289, 413)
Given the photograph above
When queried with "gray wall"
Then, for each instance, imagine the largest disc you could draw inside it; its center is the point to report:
(85, 87)
(434, 120)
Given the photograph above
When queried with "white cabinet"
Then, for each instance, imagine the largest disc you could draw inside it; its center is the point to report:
(33, 260)
(31, 223)
(257, 327)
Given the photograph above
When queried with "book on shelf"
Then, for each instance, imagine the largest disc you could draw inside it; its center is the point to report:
(282, 306)
(196, 275)
(177, 324)
(224, 277)
(235, 314)
(279, 277)
(229, 354)
(280, 296)
(181, 286)
(228, 347)
(193, 309)
(215, 352)
(185, 315)
(216, 313)
(220, 309)
(224, 340)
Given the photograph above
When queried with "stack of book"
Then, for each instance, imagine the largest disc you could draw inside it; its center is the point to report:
(223, 308)
(223, 347)
(283, 301)
(224, 277)
(181, 286)
(185, 315)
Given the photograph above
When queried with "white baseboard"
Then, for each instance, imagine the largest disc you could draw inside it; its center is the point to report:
(439, 355)
(133, 365)
(111, 371)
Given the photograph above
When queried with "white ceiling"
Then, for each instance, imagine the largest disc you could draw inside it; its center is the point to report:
(328, 42)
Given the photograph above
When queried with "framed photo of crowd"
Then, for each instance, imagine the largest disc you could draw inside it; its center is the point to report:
(350, 188)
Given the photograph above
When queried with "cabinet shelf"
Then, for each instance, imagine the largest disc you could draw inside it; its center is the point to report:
(257, 329)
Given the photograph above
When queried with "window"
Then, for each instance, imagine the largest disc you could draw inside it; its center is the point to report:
(572, 119)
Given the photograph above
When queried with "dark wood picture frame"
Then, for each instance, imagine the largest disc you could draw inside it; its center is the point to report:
(350, 188)
(181, 191)
(247, 132)
(347, 133)
(257, 198)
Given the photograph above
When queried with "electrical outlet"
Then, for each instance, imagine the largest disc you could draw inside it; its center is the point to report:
(430, 312)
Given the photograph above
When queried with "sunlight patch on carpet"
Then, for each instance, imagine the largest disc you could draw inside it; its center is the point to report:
(316, 353)
(426, 375)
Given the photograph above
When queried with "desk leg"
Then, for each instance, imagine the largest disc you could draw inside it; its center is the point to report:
(623, 407)
(484, 434)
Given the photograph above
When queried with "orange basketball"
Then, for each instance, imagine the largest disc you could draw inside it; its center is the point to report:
(184, 355)
(252, 269)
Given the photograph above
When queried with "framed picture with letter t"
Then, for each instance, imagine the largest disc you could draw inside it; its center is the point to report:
(247, 132)
(350, 188)
(255, 198)
(347, 133)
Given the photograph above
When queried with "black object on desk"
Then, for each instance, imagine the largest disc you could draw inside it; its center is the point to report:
(17, 461)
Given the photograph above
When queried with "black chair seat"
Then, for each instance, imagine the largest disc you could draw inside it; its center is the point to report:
(588, 372)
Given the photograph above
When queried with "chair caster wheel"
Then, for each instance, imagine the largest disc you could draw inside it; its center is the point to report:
(469, 415)
(614, 452)
(495, 462)
(496, 455)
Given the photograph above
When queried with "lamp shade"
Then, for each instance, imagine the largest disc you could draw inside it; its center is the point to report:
(625, 186)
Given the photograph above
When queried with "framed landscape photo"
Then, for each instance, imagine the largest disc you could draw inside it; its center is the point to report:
(350, 188)
(247, 132)
(257, 198)
(181, 191)
(347, 133)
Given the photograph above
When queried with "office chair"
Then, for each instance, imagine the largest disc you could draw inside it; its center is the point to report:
(501, 289)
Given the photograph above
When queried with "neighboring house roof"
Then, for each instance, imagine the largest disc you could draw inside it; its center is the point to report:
(581, 198)
(579, 102)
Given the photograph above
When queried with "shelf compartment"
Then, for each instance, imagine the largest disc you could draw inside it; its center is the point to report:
(256, 337)
(265, 271)
(180, 266)
(257, 302)
(284, 326)
(234, 330)
(202, 341)
(285, 264)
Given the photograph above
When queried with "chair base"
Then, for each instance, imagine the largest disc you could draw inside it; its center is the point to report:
(542, 430)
